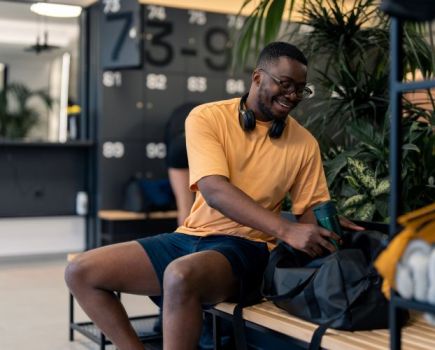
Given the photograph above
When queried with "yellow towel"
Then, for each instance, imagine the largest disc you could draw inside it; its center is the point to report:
(418, 224)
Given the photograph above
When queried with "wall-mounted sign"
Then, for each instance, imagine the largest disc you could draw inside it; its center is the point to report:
(186, 58)
(121, 28)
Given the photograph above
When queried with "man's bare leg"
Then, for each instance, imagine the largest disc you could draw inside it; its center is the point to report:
(204, 277)
(94, 275)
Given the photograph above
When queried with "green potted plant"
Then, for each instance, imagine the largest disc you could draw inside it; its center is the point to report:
(348, 50)
(17, 116)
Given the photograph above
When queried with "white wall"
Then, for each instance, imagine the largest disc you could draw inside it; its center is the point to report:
(45, 235)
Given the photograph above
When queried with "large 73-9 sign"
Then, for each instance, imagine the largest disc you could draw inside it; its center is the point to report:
(177, 39)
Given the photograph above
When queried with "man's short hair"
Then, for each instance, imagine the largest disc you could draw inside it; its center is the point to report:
(275, 50)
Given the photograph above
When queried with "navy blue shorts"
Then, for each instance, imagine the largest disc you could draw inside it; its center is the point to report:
(248, 259)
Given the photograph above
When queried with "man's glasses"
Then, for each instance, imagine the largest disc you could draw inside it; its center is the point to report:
(290, 87)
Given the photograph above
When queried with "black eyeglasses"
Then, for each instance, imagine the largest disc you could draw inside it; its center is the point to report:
(290, 87)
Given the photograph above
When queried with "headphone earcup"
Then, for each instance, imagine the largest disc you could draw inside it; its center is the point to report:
(277, 128)
(247, 120)
(246, 116)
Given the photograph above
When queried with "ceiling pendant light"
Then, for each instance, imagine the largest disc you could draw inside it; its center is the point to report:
(55, 10)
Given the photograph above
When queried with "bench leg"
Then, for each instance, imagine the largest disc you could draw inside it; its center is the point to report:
(217, 333)
(71, 317)
(102, 341)
(395, 329)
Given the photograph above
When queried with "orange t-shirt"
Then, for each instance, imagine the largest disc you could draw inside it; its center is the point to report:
(264, 168)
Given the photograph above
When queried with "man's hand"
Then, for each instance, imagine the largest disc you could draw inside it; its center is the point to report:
(346, 223)
(310, 238)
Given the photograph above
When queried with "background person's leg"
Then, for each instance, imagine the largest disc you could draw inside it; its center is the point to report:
(201, 278)
(94, 275)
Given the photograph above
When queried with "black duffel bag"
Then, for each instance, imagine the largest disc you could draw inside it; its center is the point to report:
(341, 290)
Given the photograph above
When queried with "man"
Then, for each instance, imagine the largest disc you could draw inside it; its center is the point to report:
(244, 156)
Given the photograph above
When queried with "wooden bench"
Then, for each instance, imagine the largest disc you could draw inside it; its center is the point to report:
(122, 215)
(416, 335)
(120, 225)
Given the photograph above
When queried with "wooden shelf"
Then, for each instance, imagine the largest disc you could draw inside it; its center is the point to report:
(72, 144)
(119, 215)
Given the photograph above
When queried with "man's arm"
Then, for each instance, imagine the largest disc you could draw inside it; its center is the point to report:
(221, 195)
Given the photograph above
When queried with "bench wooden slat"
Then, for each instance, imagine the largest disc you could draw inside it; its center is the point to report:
(270, 316)
(71, 256)
(293, 327)
(338, 342)
(424, 336)
(409, 343)
(382, 341)
(121, 215)
(416, 335)
(424, 327)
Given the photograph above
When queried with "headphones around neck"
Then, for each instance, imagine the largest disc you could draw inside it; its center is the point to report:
(247, 120)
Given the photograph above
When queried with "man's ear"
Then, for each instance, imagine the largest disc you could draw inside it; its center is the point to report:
(256, 77)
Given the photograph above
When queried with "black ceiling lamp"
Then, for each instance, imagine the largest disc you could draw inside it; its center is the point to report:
(415, 10)
(41, 44)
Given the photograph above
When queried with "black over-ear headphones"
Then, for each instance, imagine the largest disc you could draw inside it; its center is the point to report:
(247, 120)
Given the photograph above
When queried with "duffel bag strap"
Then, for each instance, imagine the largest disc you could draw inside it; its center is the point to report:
(239, 328)
(316, 339)
(274, 259)
(320, 331)
(250, 298)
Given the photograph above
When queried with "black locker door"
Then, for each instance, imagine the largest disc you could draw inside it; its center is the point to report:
(122, 109)
(210, 33)
(185, 59)
(119, 160)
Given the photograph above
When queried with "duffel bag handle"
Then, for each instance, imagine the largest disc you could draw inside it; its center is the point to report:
(281, 253)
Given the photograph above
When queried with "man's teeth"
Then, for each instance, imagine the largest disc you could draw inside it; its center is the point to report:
(283, 104)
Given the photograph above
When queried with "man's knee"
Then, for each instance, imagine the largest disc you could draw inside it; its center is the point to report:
(179, 280)
(77, 272)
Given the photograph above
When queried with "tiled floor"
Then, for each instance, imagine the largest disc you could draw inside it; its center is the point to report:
(34, 306)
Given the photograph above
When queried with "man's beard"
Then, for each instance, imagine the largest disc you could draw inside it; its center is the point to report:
(266, 111)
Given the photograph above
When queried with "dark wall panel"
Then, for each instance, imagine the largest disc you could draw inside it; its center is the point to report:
(163, 93)
(119, 161)
(165, 36)
(210, 33)
(122, 113)
(185, 59)
(40, 181)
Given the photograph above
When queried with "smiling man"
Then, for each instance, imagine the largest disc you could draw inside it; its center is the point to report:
(245, 155)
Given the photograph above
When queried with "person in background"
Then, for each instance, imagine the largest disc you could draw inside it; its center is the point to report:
(245, 154)
(176, 160)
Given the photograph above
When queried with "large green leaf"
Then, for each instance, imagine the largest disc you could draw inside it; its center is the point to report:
(335, 166)
(273, 20)
(365, 212)
(411, 147)
(252, 38)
